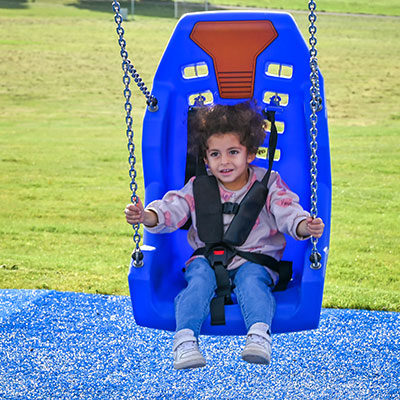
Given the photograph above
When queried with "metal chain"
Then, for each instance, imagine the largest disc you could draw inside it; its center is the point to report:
(137, 254)
(316, 105)
(151, 101)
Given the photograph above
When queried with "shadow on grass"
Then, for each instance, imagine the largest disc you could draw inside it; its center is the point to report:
(14, 4)
(147, 8)
(160, 9)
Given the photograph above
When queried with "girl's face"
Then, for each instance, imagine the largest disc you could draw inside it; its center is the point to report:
(228, 159)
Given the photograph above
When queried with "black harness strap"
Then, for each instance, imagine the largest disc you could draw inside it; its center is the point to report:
(223, 295)
(219, 257)
(273, 141)
(284, 268)
(205, 188)
(248, 211)
(285, 275)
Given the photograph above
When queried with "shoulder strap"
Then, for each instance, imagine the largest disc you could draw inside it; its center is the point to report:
(210, 227)
(249, 209)
(209, 212)
(253, 202)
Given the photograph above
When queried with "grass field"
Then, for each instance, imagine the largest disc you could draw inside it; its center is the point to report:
(63, 156)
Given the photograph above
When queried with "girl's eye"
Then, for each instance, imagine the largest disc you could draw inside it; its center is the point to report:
(234, 152)
(214, 154)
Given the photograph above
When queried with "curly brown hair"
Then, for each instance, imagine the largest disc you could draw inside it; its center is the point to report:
(243, 118)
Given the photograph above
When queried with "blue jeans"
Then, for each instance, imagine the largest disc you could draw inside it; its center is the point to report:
(253, 289)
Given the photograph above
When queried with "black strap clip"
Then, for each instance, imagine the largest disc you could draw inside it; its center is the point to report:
(230, 208)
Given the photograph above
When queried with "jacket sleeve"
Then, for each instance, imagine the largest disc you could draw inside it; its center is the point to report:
(284, 205)
(173, 210)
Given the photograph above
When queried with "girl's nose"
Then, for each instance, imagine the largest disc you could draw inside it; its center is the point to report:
(224, 158)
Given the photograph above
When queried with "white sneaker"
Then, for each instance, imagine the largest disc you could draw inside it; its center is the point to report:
(186, 350)
(258, 344)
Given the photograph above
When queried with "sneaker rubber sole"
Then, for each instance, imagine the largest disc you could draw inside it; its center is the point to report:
(195, 362)
(255, 356)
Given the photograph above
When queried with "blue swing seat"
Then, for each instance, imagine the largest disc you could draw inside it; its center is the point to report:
(191, 66)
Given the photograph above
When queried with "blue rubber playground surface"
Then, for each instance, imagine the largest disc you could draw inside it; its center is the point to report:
(57, 345)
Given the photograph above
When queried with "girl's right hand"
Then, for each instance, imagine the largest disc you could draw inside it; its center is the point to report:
(134, 213)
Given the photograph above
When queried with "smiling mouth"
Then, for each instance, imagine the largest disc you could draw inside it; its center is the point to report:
(225, 171)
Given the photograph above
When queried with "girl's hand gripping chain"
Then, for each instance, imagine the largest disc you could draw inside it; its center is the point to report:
(136, 214)
(314, 227)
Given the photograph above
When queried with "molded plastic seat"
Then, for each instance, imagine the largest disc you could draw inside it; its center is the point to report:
(205, 56)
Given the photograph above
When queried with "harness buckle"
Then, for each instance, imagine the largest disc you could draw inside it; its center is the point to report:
(220, 255)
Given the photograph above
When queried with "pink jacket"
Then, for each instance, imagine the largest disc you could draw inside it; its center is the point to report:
(281, 214)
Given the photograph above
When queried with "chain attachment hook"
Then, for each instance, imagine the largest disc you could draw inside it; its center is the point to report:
(137, 258)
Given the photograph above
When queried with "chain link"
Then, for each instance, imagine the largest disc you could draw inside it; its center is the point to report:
(151, 101)
(316, 105)
(127, 69)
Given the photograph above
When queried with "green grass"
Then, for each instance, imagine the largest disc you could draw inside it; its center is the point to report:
(387, 7)
(63, 157)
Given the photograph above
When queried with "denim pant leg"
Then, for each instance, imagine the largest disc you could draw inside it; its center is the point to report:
(253, 289)
(192, 305)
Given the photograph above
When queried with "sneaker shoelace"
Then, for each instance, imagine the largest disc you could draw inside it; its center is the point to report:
(186, 347)
(253, 338)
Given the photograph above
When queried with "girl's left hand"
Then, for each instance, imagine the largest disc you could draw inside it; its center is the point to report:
(311, 227)
(315, 227)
